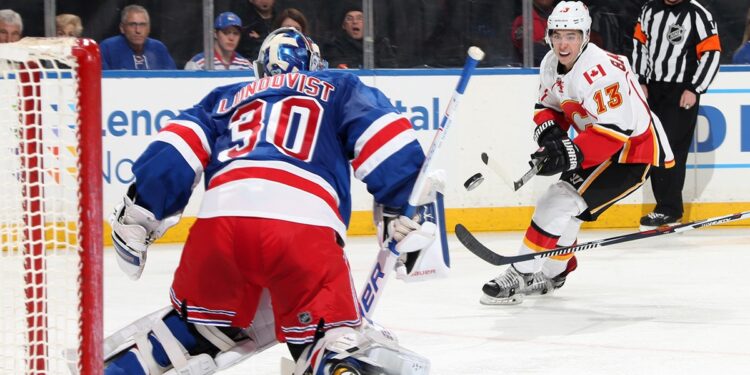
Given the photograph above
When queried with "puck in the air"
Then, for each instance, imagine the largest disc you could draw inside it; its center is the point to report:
(473, 181)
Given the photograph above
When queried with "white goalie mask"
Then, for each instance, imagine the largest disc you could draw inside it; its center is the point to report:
(569, 15)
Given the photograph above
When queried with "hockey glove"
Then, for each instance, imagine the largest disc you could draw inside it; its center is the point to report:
(548, 131)
(134, 228)
(409, 234)
(560, 155)
(414, 234)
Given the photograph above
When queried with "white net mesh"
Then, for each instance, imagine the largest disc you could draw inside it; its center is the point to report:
(39, 208)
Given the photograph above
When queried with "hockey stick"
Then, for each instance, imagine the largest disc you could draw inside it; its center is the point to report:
(386, 259)
(476, 247)
(535, 167)
(495, 167)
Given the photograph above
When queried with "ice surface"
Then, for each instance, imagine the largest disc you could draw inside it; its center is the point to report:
(675, 304)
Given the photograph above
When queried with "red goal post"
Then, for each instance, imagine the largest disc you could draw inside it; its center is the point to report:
(50, 207)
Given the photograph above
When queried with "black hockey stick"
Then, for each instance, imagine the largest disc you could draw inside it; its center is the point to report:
(476, 247)
(536, 165)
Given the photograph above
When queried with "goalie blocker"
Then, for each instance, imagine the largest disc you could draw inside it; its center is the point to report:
(425, 255)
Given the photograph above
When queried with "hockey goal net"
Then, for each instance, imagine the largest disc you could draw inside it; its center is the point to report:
(50, 207)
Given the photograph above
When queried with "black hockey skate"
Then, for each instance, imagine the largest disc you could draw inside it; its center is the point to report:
(657, 219)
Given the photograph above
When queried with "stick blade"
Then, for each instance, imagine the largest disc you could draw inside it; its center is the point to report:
(485, 158)
(472, 243)
(517, 185)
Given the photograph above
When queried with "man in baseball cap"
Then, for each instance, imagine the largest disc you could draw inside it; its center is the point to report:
(227, 28)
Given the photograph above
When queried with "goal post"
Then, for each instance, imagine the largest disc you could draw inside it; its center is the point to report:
(50, 207)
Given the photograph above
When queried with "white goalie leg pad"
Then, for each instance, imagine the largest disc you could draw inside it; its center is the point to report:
(368, 347)
(262, 334)
(135, 339)
(560, 204)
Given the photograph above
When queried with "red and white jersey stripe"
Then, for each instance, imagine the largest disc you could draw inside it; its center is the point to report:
(272, 189)
(383, 138)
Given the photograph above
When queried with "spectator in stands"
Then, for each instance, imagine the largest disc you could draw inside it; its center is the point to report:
(345, 50)
(133, 49)
(11, 26)
(227, 31)
(608, 31)
(540, 12)
(68, 25)
(257, 20)
(742, 55)
(291, 17)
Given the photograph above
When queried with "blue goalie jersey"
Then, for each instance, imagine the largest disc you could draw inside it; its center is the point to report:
(282, 147)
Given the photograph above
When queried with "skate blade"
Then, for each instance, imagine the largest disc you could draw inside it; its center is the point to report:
(494, 301)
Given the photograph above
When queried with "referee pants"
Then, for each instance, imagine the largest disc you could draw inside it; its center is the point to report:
(679, 124)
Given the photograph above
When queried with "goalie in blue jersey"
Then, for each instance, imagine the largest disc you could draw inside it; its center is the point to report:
(276, 156)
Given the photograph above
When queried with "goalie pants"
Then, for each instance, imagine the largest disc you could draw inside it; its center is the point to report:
(228, 261)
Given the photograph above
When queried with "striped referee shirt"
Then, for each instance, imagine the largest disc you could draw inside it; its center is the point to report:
(677, 43)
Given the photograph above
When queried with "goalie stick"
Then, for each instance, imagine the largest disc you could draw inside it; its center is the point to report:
(386, 259)
(476, 247)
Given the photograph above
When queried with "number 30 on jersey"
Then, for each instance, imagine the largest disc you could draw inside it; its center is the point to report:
(292, 127)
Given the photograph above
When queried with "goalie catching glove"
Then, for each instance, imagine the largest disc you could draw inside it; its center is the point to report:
(560, 155)
(416, 233)
(134, 228)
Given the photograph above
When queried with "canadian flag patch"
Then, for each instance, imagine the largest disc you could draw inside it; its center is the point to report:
(594, 73)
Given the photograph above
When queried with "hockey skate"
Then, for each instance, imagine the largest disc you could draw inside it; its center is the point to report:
(656, 219)
(510, 287)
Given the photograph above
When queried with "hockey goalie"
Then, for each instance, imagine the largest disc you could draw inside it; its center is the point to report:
(264, 262)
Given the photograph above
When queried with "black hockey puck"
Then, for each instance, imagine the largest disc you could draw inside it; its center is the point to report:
(473, 181)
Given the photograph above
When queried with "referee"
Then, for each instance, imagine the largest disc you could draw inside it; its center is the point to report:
(676, 56)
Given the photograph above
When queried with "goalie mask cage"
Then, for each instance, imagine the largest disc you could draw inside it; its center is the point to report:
(50, 207)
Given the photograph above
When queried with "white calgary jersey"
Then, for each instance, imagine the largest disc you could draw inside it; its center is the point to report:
(601, 94)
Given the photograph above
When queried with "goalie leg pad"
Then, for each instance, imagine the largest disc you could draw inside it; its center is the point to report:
(366, 349)
(163, 343)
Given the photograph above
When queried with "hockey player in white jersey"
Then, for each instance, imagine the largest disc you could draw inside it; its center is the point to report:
(618, 140)
(276, 156)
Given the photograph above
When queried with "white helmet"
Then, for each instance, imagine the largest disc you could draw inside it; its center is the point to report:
(569, 15)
